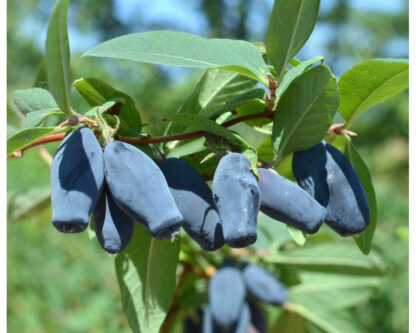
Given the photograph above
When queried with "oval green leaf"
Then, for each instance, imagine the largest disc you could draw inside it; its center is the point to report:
(371, 82)
(57, 55)
(186, 50)
(365, 239)
(24, 137)
(146, 273)
(290, 25)
(305, 111)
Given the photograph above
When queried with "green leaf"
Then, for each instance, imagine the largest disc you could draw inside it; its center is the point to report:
(101, 109)
(24, 137)
(365, 239)
(265, 150)
(371, 82)
(253, 107)
(332, 291)
(97, 92)
(58, 56)
(327, 321)
(36, 104)
(188, 148)
(201, 123)
(35, 99)
(339, 257)
(41, 79)
(240, 101)
(146, 273)
(204, 162)
(297, 235)
(305, 111)
(215, 88)
(295, 72)
(290, 25)
(186, 50)
(35, 118)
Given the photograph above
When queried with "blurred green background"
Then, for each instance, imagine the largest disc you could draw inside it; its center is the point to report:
(65, 283)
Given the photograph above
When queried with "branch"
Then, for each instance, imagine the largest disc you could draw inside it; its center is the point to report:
(154, 139)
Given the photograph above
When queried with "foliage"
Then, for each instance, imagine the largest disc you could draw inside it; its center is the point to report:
(325, 270)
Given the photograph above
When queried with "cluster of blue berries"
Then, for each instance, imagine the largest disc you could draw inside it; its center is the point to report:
(234, 300)
(120, 184)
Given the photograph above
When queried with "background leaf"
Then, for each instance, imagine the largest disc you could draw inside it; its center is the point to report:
(340, 257)
(215, 88)
(201, 123)
(146, 273)
(96, 92)
(332, 291)
(365, 239)
(371, 82)
(305, 111)
(290, 25)
(297, 235)
(186, 50)
(58, 56)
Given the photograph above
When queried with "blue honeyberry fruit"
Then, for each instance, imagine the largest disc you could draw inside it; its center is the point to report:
(258, 318)
(329, 177)
(193, 197)
(226, 293)
(237, 197)
(243, 321)
(77, 179)
(208, 323)
(242, 324)
(264, 286)
(113, 227)
(286, 202)
(138, 186)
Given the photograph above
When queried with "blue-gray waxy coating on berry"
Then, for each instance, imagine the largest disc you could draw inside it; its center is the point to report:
(193, 197)
(264, 286)
(113, 227)
(138, 186)
(243, 321)
(77, 178)
(285, 201)
(226, 295)
(237, 197)
(326, 174)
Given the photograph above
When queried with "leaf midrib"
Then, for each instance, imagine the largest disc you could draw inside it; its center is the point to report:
(291, 42)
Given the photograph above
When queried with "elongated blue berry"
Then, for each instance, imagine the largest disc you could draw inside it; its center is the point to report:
(264, 286)
(329, 177)
(138, 187)
(194, 200)
(285, 201)
(226, 295)
(237, 197)
(77, 179)
(113, 227)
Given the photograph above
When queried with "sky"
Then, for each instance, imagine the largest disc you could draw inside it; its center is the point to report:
(184, 15)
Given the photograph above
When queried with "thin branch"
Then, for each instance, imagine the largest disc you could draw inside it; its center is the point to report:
(155, 139)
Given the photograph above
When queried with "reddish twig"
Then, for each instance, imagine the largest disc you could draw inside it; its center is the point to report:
(339, 129)
(155, 139)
